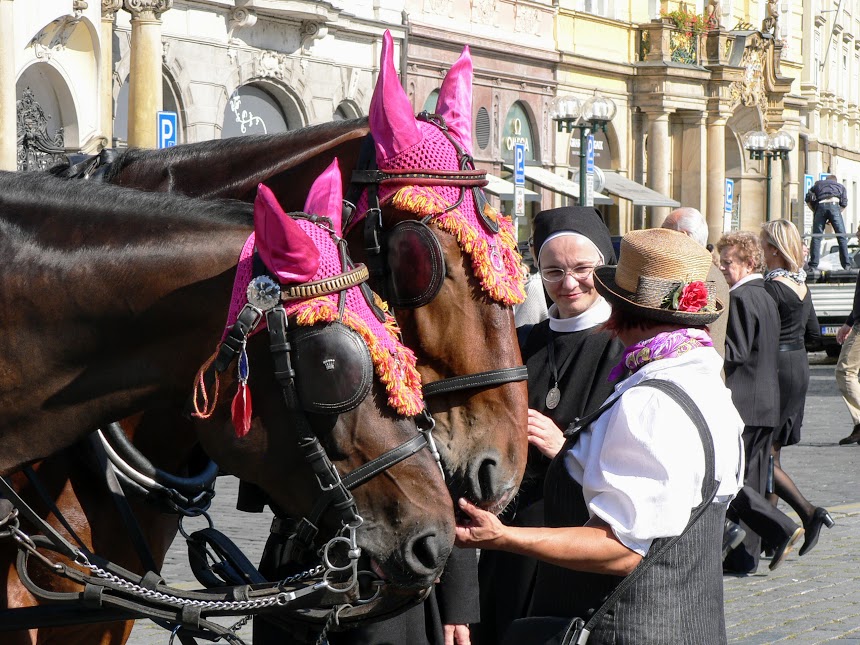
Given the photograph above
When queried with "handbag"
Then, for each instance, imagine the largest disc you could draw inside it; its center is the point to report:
(555, 630)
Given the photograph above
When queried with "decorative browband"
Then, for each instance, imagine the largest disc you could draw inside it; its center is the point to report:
(324, 287)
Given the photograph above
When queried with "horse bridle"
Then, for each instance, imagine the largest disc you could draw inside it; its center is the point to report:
(265, 300)
(126, 594)
(368, 178)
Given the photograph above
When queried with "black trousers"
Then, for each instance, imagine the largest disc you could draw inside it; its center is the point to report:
(759, 518)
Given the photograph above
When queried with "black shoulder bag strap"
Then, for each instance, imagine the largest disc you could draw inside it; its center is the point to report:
(578, 631)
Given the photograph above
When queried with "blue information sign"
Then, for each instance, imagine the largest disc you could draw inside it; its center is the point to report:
(808, 180)
(823, 175)
(730, 195)
(519, 164)
(589, 154)
(166, 128)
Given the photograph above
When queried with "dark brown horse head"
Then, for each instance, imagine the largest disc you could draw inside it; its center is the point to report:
(116, 297)
(452, 279)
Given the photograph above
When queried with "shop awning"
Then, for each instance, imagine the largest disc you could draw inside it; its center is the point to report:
(504, 189)
(558, 184)
(637, 193)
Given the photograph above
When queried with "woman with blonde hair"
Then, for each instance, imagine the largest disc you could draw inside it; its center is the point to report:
(785, 281)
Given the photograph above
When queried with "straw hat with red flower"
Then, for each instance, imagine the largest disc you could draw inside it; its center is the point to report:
(661, 276)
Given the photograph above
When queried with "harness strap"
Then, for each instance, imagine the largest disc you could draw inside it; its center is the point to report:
(384, 461)
(47, 500)
(578, 631)
(58, 541)
(234, 568)
(121, 502)
(481, 379)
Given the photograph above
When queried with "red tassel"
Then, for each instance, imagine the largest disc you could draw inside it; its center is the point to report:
(241, 409)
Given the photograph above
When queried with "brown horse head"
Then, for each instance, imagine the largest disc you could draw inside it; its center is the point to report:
(454, 306)
(116, 297)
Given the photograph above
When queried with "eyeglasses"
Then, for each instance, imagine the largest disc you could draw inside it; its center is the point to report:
(556, 274)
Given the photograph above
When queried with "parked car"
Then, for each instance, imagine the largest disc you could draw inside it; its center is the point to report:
(832, 291)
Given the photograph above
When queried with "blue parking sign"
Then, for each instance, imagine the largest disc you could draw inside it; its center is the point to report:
(730, 195)
(519, 164)
(808, 180)
(166, 128)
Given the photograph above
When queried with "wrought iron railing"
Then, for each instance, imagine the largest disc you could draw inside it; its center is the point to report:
(37, 150)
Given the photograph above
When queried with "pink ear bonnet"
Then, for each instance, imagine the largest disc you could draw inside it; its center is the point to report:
(405, 143)
(298, 245)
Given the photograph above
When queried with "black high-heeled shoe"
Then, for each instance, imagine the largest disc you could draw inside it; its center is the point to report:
(813, 528)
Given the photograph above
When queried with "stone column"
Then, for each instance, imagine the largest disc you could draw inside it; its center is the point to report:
(8, 117)
(144, 91)
(659, 157)
(716, 187)
(109, 9)
(693, 162)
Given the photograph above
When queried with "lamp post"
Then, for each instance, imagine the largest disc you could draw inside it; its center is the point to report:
(762, 145)
(570, 113)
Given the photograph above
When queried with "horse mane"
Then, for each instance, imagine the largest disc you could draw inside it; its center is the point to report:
(299, 140)
(27, 198)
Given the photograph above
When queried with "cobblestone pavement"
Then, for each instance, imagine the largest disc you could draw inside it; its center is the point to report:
(814, 599)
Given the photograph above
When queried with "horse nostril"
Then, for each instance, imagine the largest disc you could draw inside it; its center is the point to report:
(427, 553)
(487, 486)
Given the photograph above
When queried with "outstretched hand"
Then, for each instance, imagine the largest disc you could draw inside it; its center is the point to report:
(484, 530)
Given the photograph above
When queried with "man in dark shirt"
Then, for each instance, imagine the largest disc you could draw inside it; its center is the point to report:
(827, 198)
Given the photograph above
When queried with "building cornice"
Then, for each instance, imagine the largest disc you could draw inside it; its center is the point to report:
(578, 62)
(454, 41)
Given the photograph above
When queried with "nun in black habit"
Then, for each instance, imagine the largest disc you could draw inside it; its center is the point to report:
(569, 358)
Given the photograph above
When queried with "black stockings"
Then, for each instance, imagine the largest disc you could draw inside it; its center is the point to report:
(785, 488)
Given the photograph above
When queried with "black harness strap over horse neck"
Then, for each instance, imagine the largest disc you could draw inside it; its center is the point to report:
(490, 378)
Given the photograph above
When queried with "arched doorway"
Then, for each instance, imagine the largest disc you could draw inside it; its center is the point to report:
(170, 102)
(47, 119)
(749, 176)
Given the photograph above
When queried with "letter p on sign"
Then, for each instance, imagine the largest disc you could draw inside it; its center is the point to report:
(166, 129)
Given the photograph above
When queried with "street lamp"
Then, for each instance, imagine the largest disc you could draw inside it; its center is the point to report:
(570, 113)
(762, 145)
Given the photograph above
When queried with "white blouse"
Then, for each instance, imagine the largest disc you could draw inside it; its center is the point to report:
(642, 463)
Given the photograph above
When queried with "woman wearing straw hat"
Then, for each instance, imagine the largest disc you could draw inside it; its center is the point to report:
(785, 281)
(636, 498)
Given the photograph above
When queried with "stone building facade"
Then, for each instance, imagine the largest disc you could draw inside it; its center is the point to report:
(685, 99)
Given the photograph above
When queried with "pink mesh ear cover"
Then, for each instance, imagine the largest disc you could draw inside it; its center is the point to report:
(455, 100)
(283, 246)
(392, 121)
(326, 196)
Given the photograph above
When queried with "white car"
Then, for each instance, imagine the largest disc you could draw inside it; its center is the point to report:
(830, 260)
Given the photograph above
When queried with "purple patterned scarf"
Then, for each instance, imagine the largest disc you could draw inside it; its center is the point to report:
(667, 344)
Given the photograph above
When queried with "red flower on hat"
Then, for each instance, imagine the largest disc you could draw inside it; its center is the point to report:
(693, 297)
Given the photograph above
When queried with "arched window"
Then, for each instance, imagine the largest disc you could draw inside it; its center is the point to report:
(345, 111)
(430, 103)
(252, 110)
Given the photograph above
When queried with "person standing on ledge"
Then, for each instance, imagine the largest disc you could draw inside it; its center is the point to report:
(827, 198)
